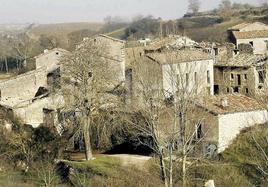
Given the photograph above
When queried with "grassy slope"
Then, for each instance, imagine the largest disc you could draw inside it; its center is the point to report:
(238, 165)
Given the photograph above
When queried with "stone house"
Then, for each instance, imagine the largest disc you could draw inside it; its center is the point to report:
(28, 95)
(115, 56)
(244, 74)
(255, 34)
(172, 71)
(50, 59)
(223, 118)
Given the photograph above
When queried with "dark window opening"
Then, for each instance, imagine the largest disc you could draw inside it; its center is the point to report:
(236, 89)
(239, 80)
(246, 76)
(227, 90)
(216, 90)
(232, 76)
(247, 91)
(208, 77)
(216, 51)
(262, 76)
(57, 53)
(251, 43)
(199, 132)
(187, 79)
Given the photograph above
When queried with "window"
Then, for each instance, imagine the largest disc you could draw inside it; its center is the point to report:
(251, 43)
(236, 89)
(239, 80)
(57, 53)
(187, 79)
(232, 76)
(262, 76)
(246, 76)
(208, 77)
(216, 51)
(247, 91)
(198, 131)
(227, 90)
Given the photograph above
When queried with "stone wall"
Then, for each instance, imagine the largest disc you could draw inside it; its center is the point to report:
(22, 87)
(259, 44)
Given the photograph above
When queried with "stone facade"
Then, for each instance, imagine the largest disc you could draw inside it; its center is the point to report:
(22, 87)
(247, 77)
(50, 59)
(28, 94)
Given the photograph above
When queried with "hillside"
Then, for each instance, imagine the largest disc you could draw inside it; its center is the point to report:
(62, 31)
(203, 26)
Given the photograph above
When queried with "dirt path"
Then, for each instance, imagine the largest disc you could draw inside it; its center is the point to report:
(138, 161)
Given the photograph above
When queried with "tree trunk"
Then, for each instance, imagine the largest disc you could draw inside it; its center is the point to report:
(184, 169)
(163, 170)
(170, 166)
(88, 152)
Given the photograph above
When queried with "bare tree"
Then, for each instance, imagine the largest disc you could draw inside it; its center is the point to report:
(167, 112)
(225, 4)
(194, 6)
(23, 48)
(85, 81)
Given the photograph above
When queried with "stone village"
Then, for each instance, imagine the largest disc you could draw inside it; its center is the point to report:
(228, 80)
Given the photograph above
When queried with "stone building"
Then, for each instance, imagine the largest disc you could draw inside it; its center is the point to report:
(50, 59)
(255, 34)
(173, 71)
(29, 96)
(223, 118)
(244, 74)
(114, 54)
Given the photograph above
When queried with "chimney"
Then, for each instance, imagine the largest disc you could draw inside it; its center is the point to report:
(224, 102)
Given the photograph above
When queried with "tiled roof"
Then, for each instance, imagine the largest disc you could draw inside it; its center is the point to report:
(236, 103)
(251, 34)
(239, 26)
(174, 57)
(242, 60)
(175, 41)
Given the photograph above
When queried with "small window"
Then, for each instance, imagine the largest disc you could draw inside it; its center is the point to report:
(57, 53)
(227, 90)
(262, 76)
(247, 91)
(246, 76)
(232, 76)
(208, 77)
(251, 43)
(199, 131)
(187, 79)
(236, 89)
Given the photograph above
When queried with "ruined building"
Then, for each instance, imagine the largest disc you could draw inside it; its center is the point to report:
(255, 34)
(28, 96)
